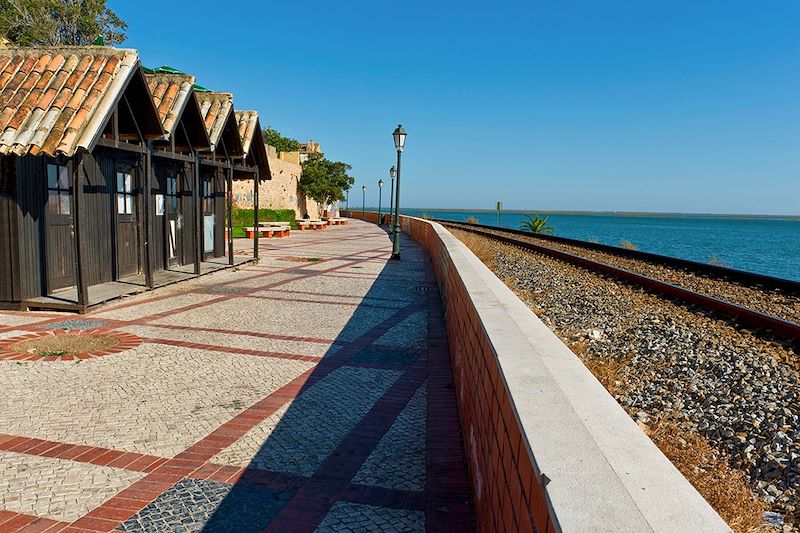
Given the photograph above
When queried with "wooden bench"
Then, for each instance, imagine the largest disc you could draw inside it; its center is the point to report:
(268, 232)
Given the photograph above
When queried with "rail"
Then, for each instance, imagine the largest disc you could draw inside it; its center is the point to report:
(705, 269)
(756, 319)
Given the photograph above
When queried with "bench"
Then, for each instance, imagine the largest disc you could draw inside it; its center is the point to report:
(337, 221)
(304, 224)
(268, 232)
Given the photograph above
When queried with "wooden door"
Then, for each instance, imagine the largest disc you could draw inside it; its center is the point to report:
(127, 234)
(174, 220)
(209, 216)
(60, 247)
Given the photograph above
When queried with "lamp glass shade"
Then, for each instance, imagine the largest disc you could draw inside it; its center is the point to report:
(392, 172)
(380, 183)
(399, 137)
(363, 187)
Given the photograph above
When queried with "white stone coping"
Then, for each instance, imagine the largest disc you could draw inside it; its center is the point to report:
(605, 473)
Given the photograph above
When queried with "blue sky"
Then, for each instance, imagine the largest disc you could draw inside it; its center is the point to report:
(595, 105)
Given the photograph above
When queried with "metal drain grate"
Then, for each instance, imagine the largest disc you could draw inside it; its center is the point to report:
(426, 289)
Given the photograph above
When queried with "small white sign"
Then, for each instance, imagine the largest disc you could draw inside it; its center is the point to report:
(159, 205)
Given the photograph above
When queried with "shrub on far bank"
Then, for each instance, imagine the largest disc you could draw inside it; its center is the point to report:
(536, 224)
(628, 245)
(472, 220)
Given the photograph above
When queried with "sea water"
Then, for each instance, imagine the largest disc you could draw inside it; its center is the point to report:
(766, 245)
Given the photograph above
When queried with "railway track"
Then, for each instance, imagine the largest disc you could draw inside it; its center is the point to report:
(591, 255)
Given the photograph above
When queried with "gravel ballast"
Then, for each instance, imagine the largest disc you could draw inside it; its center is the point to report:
(738, 390)
(774, 302)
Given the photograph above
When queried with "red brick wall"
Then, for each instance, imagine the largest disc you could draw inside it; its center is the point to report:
(506, 490)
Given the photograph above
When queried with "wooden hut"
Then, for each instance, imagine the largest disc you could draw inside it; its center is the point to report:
(217, 167)
(254, 165)
(173, 211)
(75, 123)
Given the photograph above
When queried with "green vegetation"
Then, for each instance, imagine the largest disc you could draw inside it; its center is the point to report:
(472, 220)
(59, 22)
(536, 224)
(282, 144)
(54, 353)
(628, 245)
(243, 218)
(325, 181)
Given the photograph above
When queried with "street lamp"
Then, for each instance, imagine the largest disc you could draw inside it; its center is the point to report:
(380, 193)
(363, 202)
(347, 205)
(399, 136)
(392, 174)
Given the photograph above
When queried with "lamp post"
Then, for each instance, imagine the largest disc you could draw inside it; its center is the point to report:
(392, 173)
(399, 136)
(347, 205)
(363, 202)
(380, 194)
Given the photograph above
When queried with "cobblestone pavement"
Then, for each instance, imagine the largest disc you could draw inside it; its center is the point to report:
(289, 395)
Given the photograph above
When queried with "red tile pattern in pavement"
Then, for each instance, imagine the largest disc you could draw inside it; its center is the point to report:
(445, 501)
(508, 495)
(127, 341)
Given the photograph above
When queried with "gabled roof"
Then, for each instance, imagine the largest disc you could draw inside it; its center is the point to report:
(57, 100)
(216, 109)
(171, 92)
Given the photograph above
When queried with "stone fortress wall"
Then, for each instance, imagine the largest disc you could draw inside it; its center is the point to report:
(278, 193)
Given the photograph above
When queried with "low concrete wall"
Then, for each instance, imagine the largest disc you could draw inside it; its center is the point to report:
(548, 448)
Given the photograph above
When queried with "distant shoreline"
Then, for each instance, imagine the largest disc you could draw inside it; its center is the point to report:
(611, 213)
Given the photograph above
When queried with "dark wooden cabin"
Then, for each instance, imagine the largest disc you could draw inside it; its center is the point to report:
(254, 165)
(112, 176)
(174, 158)
(73, 130)
(226, 148)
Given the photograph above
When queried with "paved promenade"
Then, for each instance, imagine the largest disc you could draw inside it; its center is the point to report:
(310, 392)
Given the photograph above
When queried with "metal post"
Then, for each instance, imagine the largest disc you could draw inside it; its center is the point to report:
(148, 226)
(198, 217)
(230, 215)
(363, 203)
(380, 193)
(256, 183)
(396, 233)
(347, 205)
(391, 203)
(80, 282)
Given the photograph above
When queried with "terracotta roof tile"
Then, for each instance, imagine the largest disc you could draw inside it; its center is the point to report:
(247, 121)
(170, 94)
(54, 100)
(215, 109)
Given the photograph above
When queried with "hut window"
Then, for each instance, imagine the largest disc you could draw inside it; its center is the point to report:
(59, 199)
(172, 193)
(208, 196)
(124, 193)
